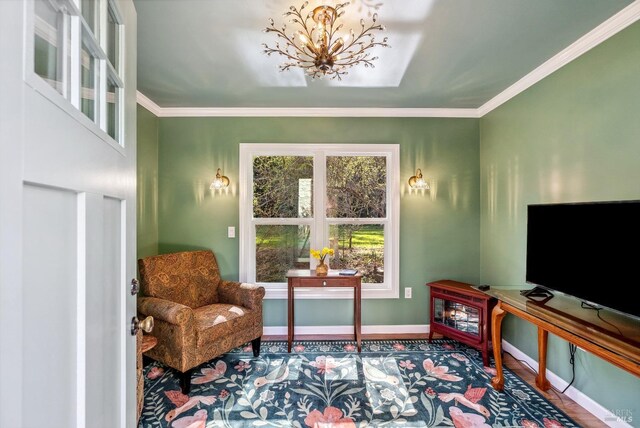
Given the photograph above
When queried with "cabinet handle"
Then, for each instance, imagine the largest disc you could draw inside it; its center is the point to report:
(324, 283)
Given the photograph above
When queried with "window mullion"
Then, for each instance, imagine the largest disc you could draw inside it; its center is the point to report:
(357, 221)
(76, 66)
(101, 94)
(294, 221)
(66, 32)
(321, 237)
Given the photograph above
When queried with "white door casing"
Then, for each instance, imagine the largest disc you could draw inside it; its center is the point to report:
(67, 250)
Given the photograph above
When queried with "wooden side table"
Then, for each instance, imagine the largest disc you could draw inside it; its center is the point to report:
(297, 278)
(461, 313)
(143, 344)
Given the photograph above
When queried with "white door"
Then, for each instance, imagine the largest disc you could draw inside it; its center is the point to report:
(67, 225)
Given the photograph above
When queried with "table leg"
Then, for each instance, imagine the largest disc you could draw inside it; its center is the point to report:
(357, 322)
(496, 335)
(485, 344)
(541, 379)
(289, 316)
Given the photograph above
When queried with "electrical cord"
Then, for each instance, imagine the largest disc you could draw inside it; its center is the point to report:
(572, 361)
(521, 361)
(585, 305)
(572, 352)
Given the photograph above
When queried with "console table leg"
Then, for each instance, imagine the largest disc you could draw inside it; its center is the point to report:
(496, 335)
(541, 379)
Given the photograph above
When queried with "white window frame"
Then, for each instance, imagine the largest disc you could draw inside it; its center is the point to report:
(320, 226)
(69, 100)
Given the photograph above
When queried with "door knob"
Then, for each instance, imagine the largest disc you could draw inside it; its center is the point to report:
(135, 287)
(145, 325)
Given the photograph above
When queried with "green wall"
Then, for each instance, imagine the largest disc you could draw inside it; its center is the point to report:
(575, 136)
(147, 196)
(439, 231)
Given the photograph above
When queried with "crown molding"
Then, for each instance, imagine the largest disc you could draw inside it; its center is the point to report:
(146, 102)
(602, 32)
(302, 112)
(593, 38)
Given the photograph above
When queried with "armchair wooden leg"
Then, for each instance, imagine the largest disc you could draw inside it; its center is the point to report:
(255, 344)
(185, 381)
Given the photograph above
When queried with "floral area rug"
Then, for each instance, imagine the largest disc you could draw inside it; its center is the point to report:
(408, 383)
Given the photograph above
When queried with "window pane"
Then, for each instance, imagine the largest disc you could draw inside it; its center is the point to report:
(88, 80)
(282, 187)
(359, 247)
(112, 40)
(280, 248)
(356, 186)
(89, 13)
(48, 60)
(113, 109)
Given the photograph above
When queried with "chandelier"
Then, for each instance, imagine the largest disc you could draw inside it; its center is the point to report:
(317, 46)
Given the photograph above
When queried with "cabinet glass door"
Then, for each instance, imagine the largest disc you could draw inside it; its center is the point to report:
(457, 315)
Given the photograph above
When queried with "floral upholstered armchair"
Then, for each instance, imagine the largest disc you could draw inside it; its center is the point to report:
(198, 316)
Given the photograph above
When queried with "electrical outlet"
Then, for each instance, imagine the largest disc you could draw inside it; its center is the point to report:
(231, 232)
(407, 293)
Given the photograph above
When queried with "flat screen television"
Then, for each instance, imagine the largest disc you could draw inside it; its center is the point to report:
(587, 250)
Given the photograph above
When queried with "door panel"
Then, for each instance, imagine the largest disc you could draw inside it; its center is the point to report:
(49, 321)
(104, 317)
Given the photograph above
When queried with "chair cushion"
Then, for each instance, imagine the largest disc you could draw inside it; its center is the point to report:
(215, 321)
(190, 278)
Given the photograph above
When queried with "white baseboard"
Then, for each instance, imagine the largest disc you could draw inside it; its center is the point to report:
(576, 395)
(347, 329)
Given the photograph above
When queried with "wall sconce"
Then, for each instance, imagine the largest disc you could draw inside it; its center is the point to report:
(417, 182)
(220, 182)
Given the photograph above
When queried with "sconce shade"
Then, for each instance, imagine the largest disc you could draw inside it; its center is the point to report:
(220, 182)
(417, 182)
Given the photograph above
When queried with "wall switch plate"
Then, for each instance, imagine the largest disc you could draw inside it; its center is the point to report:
(407, 293)
(231, 232)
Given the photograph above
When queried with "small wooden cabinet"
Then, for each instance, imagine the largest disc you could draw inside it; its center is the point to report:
(462, 313)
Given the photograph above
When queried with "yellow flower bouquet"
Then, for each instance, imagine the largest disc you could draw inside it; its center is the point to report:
(322, 269)
(321, 255)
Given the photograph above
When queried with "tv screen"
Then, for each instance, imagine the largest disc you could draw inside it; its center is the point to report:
(588, 250)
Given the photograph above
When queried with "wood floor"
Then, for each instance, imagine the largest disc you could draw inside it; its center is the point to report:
(561, 401)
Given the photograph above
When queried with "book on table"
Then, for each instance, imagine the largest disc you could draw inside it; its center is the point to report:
(348, 272)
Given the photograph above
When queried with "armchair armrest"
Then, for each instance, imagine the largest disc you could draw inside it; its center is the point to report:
(248, 295)
(165, 310)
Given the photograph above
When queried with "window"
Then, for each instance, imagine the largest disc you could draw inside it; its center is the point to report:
(297, 197)
(76, 60)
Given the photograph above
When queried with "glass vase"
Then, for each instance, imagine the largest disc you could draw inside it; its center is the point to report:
(322, 269)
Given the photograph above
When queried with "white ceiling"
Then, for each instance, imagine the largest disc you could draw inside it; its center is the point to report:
(444, 53)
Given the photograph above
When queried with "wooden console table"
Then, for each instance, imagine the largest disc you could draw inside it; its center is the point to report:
(304, 278)
(616, 340)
